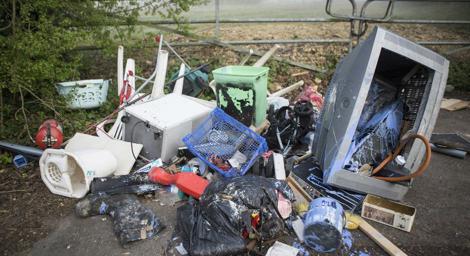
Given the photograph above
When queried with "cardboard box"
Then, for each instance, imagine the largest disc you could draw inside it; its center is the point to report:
(389, 213)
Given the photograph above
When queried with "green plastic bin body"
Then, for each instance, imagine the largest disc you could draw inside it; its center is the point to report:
(242, 91)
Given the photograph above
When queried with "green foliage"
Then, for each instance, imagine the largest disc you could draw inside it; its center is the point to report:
(459, 74)
(5, 158)
(277, 68)
(39, 42)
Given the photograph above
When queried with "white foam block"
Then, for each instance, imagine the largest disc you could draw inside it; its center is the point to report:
(279, 169)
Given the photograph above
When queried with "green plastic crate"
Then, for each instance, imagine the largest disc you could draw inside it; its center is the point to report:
(242, 91)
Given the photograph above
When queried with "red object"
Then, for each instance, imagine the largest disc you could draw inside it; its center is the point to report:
(255, 220)
(126, 90)
(49, 135)
(311, 94)
(188, 182)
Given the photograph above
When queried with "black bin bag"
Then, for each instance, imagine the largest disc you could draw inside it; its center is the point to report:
(214, 226)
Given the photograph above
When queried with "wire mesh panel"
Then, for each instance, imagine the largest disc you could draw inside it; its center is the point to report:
(413, 92)
(225, 144)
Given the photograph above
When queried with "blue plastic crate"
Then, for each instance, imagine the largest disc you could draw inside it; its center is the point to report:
(222, 136)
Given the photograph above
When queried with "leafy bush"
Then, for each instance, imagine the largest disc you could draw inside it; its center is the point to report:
(459, 74)
(39, 46)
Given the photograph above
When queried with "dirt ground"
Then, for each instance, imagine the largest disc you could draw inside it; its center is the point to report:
(35, 222)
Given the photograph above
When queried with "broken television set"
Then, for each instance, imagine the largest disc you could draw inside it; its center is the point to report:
(385, 88)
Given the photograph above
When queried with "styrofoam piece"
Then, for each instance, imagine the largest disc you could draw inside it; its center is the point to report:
(70, 173)
(279, 169)
(179, 83)
(121, 150)
(120, 68)
(159, 82)
(282, 249)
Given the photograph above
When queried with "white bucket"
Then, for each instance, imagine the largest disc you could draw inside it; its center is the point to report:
(70, 173)
(324, 223)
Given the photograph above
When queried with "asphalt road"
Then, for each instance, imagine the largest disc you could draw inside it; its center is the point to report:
(441, 225)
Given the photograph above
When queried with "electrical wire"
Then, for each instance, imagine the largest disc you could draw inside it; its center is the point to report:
(397, 151)
(132, 136)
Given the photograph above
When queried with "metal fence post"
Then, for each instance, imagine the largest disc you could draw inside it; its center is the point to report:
(217, 19)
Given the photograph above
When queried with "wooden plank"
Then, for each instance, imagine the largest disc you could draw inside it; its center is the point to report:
(381, 240)
(298, 188)
(454, 104)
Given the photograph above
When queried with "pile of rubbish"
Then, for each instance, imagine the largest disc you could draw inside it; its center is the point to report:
(272, 173)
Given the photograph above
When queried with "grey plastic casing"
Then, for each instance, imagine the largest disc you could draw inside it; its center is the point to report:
(345, 100)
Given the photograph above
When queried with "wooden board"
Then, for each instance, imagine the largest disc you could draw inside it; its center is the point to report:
(381, 240)
(300, 194)
(454, 104)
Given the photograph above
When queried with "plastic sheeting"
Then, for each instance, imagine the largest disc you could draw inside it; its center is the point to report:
(136, 183)
(379, 96)
(378, 129)
(215, 225)
(131, 220)
(379, 136)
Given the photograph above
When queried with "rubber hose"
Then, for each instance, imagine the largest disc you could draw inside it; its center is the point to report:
(390, 157)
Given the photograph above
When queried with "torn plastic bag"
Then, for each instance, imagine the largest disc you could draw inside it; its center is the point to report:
(131, 220)
(379, 96)
(136, 183)
(378, 138)
(215, 225)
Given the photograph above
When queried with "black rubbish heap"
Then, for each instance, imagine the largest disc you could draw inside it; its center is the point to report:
(220, 223)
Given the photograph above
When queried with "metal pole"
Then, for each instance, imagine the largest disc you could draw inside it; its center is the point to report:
(217, 19)
(307, 41)
(303, 20)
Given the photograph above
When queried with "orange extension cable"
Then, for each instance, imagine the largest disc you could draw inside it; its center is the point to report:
(390, 157)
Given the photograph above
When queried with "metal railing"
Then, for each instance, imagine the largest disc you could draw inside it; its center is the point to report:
(357, 19)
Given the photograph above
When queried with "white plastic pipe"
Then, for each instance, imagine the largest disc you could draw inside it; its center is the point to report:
(120, 68)
(178, 89)
(159, 83)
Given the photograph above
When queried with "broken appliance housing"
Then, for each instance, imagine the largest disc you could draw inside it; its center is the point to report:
(160, 124)
(419, 76)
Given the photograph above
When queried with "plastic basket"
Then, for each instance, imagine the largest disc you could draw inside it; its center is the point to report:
(222, 136)
(85, 93)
